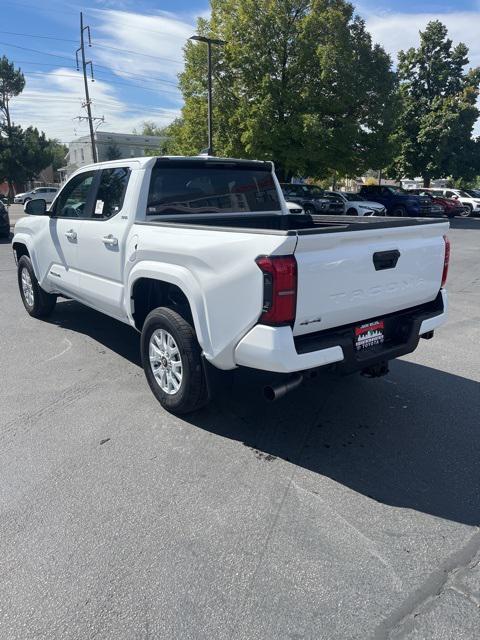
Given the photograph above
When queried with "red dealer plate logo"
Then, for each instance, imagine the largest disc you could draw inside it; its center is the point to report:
(369, 335)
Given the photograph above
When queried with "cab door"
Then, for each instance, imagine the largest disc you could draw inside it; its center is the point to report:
(102, 239)
(61, 260)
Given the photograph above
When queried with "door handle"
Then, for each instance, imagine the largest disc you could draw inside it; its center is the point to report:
(110, 241)
(71, 234)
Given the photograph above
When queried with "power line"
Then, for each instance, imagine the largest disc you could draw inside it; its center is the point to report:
(109, 70)
(54, 55)
(95, 44)
(45, 53)
(34, 35)
(103, 79)
(124, 107)
(155, 31)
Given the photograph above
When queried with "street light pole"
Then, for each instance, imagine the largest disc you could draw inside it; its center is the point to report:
(209, 42)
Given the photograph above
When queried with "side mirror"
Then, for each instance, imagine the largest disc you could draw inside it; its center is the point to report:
(37, 207)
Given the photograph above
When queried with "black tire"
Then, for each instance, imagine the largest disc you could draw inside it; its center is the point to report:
(352, 212)
(192, 392)
(467, 212)
(399, 211)
(309, 209)
(43, 303)
(26, 200)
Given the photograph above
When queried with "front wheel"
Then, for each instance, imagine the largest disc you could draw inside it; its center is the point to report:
(37, 302)
(467, 211)
(309, 209)
(172, 362)
(399, 212)
(352, 212)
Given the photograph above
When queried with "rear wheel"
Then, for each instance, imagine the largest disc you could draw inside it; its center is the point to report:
(37, 302)
(309, 209)
(399, 212)
(172, 362)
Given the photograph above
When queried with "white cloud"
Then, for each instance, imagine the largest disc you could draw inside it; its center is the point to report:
(53, 101)
(136, 51)
(157, 41)
(397, 31)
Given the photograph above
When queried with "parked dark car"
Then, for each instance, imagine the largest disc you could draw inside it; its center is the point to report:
(4, 221)
(475, 193)
(450, 207)
(397, 201)
(312, 199)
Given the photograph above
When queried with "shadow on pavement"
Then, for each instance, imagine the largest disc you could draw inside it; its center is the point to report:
(113, 334)
(465, 223)
(410, 440)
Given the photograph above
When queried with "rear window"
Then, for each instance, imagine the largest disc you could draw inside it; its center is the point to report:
(211, 188)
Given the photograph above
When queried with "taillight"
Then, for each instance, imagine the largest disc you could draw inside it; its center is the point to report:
(279, 289)
(446, 260)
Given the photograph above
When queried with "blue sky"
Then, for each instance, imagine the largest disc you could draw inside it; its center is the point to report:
(137, 53)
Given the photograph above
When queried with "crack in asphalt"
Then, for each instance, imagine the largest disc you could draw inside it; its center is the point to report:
(401, 621)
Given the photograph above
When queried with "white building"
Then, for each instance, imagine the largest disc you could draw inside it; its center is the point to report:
(110, 146)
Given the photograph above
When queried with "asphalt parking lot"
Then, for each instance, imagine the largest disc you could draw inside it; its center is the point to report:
(348, 510)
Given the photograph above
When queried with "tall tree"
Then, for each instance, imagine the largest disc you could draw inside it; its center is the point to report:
(23, 153)
(298, 81)
(438, 96)
(59, 151)
(12, 82)
(113, 152)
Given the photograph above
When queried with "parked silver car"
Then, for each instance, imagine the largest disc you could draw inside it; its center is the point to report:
(46, 193)
(355, 205)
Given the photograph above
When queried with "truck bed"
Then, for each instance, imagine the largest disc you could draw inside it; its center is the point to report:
(289, 224)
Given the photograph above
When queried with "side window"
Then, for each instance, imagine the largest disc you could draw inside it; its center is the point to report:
(73, 201)
(449, 194)
(111, 192)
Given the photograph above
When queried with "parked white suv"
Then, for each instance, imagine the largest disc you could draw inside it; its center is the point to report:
(356, 205)
(46, 193)
(202, 257)
(471, 203)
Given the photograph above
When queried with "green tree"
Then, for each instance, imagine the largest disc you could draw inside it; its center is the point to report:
(12, 83)
(150, 128)
(113, 152)
(298, 81)
(58, 152)
(169, 133)
(438, 109)
(23, 152)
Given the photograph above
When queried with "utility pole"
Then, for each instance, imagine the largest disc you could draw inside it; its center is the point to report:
(85, 82)
(209, 42)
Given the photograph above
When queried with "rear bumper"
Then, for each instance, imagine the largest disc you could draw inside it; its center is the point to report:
(275, 348)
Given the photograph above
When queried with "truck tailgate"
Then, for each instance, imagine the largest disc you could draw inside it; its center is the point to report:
(352, 276)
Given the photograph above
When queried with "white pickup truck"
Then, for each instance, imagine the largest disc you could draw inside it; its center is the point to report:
(202, 257)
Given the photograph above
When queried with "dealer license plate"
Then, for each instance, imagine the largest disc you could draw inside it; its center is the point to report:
(369, 335)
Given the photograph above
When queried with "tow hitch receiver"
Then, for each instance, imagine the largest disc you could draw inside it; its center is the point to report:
(376, 370)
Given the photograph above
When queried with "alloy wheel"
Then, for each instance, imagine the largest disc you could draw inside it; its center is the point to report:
(165, 361)
(27, 287)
